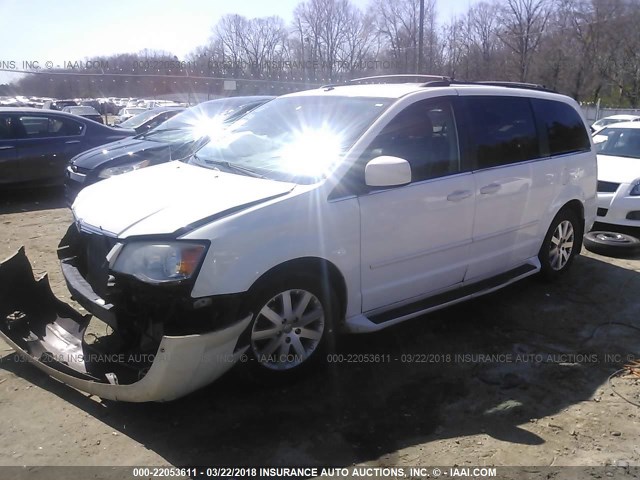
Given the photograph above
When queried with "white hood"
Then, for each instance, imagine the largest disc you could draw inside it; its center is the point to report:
(167, 197)
(618, 169)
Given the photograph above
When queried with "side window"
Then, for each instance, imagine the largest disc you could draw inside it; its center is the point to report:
(424, 134)
(64, 127)
(43, 127)
(565, 128)
(34, 127)
(6, 132)
(502, 130)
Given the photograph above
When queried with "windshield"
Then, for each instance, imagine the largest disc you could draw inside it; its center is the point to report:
(299, 139)
(139, 119)
(134, 111)
(204, 120)
(621, 142)
(204, 113)
(608, 121)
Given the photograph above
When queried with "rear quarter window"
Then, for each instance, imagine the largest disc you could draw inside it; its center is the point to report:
(564, 126)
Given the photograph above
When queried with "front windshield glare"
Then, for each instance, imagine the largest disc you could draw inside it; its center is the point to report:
(139, 119)
(298, 139)
(621, 142)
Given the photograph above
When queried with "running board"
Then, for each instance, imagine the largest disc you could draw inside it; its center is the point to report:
(378, 321)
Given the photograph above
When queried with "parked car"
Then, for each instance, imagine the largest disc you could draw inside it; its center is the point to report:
(150, 119)
(58, 104)
(618, 214)
(128, 112)
(85, 111)
(346, 208)
(603, 122)
(174, 139)
(36, 145)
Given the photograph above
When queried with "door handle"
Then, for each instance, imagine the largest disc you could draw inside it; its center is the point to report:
(491, 188)
(459, 195)
(70, 142)
(6, 147)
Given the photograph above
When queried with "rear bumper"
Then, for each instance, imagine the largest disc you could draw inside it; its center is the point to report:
(51, 335)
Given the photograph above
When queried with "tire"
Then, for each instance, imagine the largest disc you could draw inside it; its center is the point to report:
(612, 244)
(282, 345)
(561, 244)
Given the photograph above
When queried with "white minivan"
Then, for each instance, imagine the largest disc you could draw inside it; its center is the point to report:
(346, 208)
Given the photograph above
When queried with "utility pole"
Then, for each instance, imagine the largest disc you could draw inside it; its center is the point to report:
(420, 38)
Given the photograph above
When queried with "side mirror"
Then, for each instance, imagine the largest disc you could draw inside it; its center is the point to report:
(387, 171)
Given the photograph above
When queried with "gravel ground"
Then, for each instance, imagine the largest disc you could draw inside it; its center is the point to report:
(518, 377)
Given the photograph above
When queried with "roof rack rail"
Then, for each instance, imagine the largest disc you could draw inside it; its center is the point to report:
(441, 81)
(528, 86)
(423, 78)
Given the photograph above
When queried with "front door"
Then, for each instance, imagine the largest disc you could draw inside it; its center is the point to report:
(416, 238)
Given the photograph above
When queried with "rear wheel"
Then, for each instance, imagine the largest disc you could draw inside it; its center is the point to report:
(561, 244)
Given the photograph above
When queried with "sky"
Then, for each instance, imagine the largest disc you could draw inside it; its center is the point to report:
(69, 30)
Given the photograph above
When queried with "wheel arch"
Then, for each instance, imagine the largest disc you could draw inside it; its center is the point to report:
(577, 207)
(315, 266)
(574, 205)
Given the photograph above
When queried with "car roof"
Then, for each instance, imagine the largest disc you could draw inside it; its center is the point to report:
(621, 116)
(36, 110)
(635, 125)
(398, 90)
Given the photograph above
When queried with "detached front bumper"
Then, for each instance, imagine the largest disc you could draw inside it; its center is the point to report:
(51, 335)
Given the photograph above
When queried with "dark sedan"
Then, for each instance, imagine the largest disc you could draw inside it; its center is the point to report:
(175, 139)
(143, 122)
(36, 145)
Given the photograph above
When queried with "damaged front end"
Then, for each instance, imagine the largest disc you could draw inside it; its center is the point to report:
(143, 356)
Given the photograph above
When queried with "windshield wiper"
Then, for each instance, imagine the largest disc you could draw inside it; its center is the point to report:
(230, 166)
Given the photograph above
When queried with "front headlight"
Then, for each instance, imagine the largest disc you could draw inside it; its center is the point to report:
(154, 262)
(120, 169)
(635, 190)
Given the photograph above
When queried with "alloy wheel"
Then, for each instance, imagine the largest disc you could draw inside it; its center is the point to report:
(561, 245)
(287, 329)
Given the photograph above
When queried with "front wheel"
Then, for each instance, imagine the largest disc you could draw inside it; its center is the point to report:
(292, 325)
(561, 244)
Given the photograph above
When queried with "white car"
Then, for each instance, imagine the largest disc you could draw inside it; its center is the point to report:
(347, 208)
(129, 112)
(603, 122)
(618, 149)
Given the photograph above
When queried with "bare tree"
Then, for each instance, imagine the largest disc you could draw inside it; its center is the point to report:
(324, 27)
(523, 23)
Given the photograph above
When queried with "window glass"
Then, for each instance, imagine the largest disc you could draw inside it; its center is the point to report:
(42, 127)
(297, 139)
(424, 134)
(502, 130)
(64, 127)
(565, 128)
(5, 127)
(620, 142)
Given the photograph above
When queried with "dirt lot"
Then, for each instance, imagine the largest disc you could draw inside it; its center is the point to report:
(438, 399)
